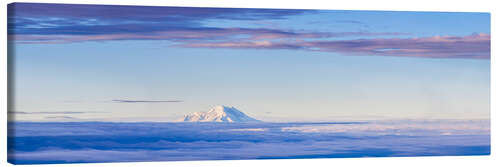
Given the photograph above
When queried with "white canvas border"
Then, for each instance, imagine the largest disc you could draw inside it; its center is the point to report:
(394, 5)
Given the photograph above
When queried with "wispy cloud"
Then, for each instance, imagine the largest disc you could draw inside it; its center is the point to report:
(146, 101)
(193, 35)
(472, 46)
(360, 23)
(350, 21)
(60, 117)
(53, 112)
(476, 46)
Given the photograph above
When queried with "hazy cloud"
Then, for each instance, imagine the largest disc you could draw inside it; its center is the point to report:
(146, 101)
(53, 112)
(360, 23)
(60, 117)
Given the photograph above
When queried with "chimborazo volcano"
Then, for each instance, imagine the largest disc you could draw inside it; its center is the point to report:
(219, 114)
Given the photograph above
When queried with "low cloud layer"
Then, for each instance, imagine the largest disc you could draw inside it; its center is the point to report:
(120, 142)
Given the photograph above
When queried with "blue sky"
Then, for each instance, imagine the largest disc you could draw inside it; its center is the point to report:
(275, 65)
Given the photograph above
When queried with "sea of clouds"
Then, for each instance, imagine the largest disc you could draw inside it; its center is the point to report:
(82, 142)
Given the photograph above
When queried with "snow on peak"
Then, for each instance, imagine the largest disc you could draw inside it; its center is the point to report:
(219, 114)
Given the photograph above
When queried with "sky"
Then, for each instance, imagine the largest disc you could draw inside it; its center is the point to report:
(137, 63)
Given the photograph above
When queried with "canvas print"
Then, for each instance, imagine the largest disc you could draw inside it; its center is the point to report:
(107, 83)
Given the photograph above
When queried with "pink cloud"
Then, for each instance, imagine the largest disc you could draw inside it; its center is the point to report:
(472, 46)
(208, 34)
(476, 46)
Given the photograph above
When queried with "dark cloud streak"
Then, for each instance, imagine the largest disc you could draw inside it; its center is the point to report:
(60, 117)
(45, 19)
(146, 101)
(54, 112)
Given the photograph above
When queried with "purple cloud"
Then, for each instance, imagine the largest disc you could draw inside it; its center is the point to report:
(66, 23)
(192, 35)
(70, 19)
(33, 23)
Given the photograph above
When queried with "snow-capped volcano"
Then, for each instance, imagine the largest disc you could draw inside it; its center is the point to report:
(219, 114)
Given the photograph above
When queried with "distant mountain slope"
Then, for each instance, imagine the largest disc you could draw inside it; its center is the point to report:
(218, 114)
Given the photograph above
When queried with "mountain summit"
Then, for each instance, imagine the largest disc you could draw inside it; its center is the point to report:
(219, 114)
